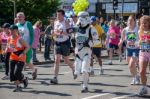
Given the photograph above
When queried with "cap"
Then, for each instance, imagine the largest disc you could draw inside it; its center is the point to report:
(6, 25)
(93, 18)
(13, 27)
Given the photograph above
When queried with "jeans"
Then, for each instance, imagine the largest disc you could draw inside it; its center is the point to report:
(34, 54)
(47, 48)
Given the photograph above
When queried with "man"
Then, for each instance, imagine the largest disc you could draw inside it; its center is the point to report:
(96, 49)
(62, 43)
(26, 31)
(48, 41)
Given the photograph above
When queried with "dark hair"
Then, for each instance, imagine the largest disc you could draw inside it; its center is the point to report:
(61, 11)
(6, 25)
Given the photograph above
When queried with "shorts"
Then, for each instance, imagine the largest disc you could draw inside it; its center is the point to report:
(113, 46)
(97, 52)
(62, 49)
(29, 56)
(132, 52)
(145, 56)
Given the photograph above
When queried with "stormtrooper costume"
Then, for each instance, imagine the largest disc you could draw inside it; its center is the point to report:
(85, 38)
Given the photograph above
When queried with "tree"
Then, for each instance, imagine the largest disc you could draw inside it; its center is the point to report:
(33, 9)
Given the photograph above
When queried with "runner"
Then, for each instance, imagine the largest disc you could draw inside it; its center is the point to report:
(112, 40)
(18, 48)
(27, 33)
(130, 35)
(85, 37)
(96, 50)
(144, 57)
(4, 36)
(62, 43)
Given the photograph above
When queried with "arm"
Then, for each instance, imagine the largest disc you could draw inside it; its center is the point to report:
(29, 25)
(23, 43)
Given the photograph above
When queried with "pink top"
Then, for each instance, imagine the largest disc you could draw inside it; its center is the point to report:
(114, 34)
(4, 39)
(36, 37)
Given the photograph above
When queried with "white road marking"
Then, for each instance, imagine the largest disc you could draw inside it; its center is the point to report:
(91, 97)
(123, 97)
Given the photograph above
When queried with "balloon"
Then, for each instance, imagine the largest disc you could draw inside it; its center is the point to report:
(80, 5)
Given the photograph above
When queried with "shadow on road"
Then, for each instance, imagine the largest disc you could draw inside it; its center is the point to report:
(102, 84)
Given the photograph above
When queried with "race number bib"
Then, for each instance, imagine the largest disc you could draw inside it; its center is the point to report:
(131, 39)
(145, 46)
(112, 35)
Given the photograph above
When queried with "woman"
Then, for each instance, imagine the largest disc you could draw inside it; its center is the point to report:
(112, 40)
(18, 48)
(37, 34)
(144, 56)
(4, 36)
(130, 36)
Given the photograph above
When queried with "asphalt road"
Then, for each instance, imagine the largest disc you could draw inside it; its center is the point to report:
(114, 84)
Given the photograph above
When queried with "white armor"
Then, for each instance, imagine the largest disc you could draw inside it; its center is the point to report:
(85, 37)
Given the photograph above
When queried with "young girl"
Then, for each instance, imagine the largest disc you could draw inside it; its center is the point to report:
(18, 48)
(144, 56)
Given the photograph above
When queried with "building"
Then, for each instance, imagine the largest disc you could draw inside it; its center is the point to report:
(105, 9)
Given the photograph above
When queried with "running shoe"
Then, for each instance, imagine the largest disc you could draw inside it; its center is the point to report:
(110, 63)
(34, 74)
(137, 80)
(84, 90)
(54, 81)
(25, 82)
(6, 78)
(17, 89)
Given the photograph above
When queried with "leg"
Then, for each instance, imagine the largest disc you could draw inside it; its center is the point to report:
(85, 74)
(7, 63)
(12, 69)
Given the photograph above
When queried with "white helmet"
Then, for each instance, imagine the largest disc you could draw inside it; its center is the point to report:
(83, 19)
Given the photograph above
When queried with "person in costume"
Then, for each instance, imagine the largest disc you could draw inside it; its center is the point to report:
(85, 37)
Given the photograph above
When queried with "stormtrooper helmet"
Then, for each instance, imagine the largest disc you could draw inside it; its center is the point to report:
(83, 19)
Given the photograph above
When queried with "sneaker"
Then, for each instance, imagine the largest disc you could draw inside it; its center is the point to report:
(25, 82)
(34, 74)
(17, 89)
(110, 63)
(54, 81)
(6, 78)
(142, 91)
(74, 75)
(101, 72)
(84, 90)
(137, 80)
(133, 81)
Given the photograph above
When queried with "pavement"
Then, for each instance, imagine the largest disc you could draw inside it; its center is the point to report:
(114, 84)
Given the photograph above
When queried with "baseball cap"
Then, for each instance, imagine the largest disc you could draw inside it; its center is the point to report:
(6, 25)
(14, 27)
(93, 18)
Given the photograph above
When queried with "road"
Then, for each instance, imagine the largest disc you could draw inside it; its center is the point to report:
(114, 84)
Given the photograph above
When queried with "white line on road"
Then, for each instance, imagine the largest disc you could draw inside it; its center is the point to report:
(90, 97)
(125, 96)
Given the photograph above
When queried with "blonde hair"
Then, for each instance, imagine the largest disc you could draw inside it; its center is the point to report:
(145, 18)
(38, 23)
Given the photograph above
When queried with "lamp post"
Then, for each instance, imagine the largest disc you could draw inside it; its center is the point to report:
(14, 5)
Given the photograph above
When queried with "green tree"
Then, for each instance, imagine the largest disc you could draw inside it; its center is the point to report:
(33, 9)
